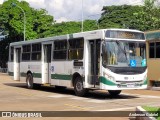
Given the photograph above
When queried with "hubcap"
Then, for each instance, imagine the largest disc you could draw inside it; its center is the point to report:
(79, 86)
(29, 81)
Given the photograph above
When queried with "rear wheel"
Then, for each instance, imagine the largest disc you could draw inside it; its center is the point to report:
(78, 87)
(114, 92)
(29, 81)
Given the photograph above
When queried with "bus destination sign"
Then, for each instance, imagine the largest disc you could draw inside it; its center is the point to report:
(124, 34)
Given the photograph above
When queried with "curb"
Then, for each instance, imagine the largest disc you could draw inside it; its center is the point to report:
(155, 88)
(140, 110)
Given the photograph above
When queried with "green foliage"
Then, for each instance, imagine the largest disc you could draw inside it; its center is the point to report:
(148, 18)
(37, 21)
(118, 16)
(153, 110)
(143, 18)
(70, 27)
(11, 20)
(90, 25)
(42, 22)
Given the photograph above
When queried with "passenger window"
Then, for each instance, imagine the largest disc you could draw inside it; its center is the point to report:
(36, 52)
(76, 47)
(11, 53)
(26, 52)
(60, 50)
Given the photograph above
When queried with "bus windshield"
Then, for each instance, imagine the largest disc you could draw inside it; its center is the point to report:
(124, 54)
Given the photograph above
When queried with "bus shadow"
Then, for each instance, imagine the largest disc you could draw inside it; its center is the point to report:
(92, 94)
(101, 95)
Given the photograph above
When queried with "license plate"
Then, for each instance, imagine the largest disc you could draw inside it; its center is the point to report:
(130, 85)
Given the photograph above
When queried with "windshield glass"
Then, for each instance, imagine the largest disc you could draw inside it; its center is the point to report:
(123, 54)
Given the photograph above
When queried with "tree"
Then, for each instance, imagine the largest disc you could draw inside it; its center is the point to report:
(70, 27)
(42, 22)
(11, 20)
(37, 21)
(148, 18)
(118, 16)
(143, 18)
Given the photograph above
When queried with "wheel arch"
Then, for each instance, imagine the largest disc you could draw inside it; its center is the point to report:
(28, 72)
(75, 75)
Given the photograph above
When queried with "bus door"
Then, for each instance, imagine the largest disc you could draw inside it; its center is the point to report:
(47, 63)
(94, 64)
(17, 60)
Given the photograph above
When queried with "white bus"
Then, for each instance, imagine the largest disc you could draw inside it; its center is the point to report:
(108, 59)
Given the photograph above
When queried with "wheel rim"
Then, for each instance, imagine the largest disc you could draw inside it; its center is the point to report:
(29, 81)
(79, 86)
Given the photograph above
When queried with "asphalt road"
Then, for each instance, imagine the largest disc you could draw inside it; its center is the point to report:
(14, 96)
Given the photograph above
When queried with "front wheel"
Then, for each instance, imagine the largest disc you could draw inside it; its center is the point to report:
(78, 87)
(114, 92)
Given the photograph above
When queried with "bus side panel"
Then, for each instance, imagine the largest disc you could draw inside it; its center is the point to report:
(59, 74)
(34, 68)
(10, 69)
(45, 73)
(71, 69)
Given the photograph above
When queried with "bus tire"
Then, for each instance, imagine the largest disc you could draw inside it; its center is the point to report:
(78, 87)
(114, 92)
(29, 81)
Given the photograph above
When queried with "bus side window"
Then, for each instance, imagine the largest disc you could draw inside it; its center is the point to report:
(60, 50)
(26, 54)
(76, 47)
(11, 53)
(104, 55)
(36, 51)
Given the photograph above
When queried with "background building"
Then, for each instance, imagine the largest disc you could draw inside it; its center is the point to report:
(153, 57)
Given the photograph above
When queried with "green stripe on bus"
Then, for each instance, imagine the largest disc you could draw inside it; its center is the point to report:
(23, 74)
(37, 75)
(106, 81)
(61, 77)
(145, 82)
(10, 73)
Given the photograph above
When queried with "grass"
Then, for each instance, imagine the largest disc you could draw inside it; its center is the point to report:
(150, 109)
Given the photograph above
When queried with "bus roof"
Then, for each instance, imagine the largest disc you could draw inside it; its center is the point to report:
(67, 36)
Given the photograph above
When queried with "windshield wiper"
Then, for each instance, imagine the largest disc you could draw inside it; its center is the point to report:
(123, 50)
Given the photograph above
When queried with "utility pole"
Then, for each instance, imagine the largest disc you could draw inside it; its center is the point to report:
(82, 17)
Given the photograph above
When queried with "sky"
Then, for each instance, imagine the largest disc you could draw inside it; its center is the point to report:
(71, 10)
